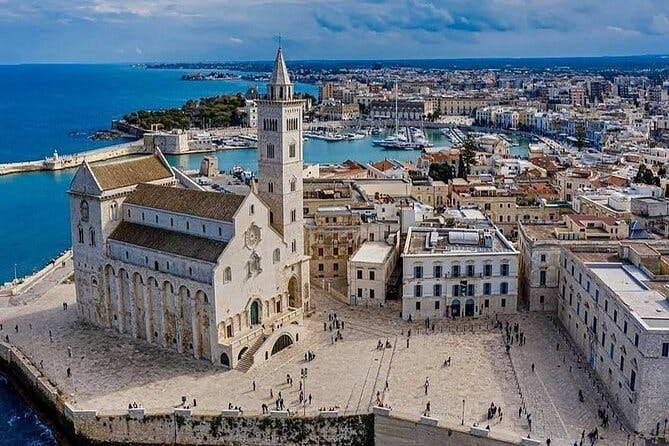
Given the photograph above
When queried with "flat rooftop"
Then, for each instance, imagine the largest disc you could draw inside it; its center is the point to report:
(646, 299)
(372, 252)
(460, 241)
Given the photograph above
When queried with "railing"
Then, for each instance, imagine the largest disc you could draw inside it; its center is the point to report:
(244, 339)
(287, 318)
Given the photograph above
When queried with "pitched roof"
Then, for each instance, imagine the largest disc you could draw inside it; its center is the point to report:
(172, 242)
(279, 72)
(383, 165)
(212, 205)
(128, 172)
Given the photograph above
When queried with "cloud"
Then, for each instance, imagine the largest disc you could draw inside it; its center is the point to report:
(625, 32)
(235, 40)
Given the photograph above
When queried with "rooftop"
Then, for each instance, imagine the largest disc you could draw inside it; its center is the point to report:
(172, 242)
(646, 299)
(372, 252)
(455, 241)
(212, 205)
(129, 171)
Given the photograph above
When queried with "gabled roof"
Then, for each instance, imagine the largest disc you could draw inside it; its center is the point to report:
(128, 172)
(212, 205)
(172, 242)
(279, 72)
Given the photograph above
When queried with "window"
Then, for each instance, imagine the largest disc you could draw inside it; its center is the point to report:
(92, 235)
(487, 270)
(359, 292)
(542, 277)
(504, 269)
(436, 304)
(543, 257)
(335, 266)
(456, 290)
(471, 289)
(371, 294)
(437, 271)
(291, 150)
(417, 305)
(359, 274)
(204, 229)
(418, 272)
(270, 187)
(596, 295)
(83, 211)
(187, 225)
(320, 254)
(470, 270)
(251, 210)
(227, 275)
(486, 289)
(293, 246)
(622, 363)
(113, 211)
(418, 291)
(606, 306)
(81, 234)
(277, 255)
(615, 315)
(371, 275)
(220, 231)
(320, 267)
(503, 303)
(455, 271)
(293, 215)
(636, 339)
(665, 349)
(612, 350)
(437, 289)
(293, 185)
(503, 288)
(486, 303)
(270, 151)
(625, 327)
(632, 380)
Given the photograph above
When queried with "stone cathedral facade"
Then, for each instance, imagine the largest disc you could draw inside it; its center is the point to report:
(221, 277)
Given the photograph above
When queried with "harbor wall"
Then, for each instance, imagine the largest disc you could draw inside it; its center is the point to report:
(20, 285)
(74, 160)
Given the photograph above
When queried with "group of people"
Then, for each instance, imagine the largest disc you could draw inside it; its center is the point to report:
(380, 345)
(134, 405)
(514, 332)
(494, 411)
(239, 408)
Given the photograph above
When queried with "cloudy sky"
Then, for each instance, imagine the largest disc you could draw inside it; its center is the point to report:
(196, 30)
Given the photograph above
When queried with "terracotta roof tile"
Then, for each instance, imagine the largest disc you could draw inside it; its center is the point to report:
(172, 242)
(212, 205)
(129, 172)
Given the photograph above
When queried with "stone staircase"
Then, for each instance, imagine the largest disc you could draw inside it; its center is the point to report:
(247, 360)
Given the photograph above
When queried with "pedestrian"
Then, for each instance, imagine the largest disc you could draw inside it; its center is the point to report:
(387, 387)
(69, 372)
(50, 336)
(427, 408)
(69, 351)
(407, 342)
(310, 399)
(548, 442)
(16, 328)
(325, 326)
(532, 367)
(271, 394)
(254, 385)
(194, 402)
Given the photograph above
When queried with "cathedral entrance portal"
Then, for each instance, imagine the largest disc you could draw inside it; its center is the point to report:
(294, 297)
(255, 313)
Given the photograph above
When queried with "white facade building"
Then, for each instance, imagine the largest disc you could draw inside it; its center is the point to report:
(451, 272)
(221, 277)
(368, 272)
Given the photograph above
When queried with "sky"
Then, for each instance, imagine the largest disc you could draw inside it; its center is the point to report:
(36, 31)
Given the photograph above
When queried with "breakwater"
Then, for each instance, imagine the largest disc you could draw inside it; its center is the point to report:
(59, 162)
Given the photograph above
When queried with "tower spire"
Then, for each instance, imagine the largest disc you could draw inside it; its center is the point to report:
(279, 87)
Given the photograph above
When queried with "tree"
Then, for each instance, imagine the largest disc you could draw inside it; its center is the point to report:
(468, 153)
(441, 172)
(580, 135)
(462, 170)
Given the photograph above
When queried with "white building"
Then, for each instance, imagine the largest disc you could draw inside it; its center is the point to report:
(368, 272)
(175, 141)
(451, 272)
(614, 306)
(221, 277)
(251, 112)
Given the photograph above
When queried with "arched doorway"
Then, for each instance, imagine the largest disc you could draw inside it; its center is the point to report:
(469, 307)
(455, 307)
(294, 297)
(281, 343)
(255, 313)
(225, 360)
(241, 353)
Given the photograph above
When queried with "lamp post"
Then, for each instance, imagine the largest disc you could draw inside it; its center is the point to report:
(303, 374)
(462, 422)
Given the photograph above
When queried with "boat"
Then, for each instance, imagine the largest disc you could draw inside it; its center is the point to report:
(352, 136)
(376, 131)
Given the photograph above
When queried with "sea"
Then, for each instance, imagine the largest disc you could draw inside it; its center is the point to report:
(47, 108)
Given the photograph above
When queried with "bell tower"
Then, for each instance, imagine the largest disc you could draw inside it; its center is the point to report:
(280, 157)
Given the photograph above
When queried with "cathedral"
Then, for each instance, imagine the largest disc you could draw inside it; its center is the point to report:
(218, 276)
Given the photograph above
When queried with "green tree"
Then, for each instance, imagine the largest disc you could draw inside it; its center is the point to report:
(468, 153)
(441, 171)
(580, 135)
(462, 170)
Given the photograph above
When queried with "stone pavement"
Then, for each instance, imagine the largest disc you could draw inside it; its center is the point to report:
(109, 370)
